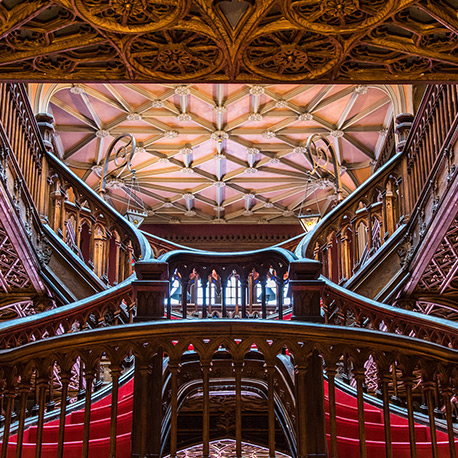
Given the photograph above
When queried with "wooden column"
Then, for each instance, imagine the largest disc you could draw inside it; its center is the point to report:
(238, 366)
(206, 409)
(173, 369)
(147, 407)
(150, 289)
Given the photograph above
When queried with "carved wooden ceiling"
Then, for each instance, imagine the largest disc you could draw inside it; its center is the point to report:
(220, 153)
(229, 41)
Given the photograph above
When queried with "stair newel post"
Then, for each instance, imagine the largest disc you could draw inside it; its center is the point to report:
(65, 378)
(306, 288)
(173, 369)
(206, 367)
(9, 391)
(238, 367)
(270, 369)
(150, 289)
(447, 394)
(24, 390)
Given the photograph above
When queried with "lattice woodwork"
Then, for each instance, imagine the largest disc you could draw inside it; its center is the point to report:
(441, 274)
(222, 40)
(13, 276)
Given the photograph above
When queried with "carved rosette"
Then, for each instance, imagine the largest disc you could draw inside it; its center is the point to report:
(337, 16)
(174, 55)
(293, 55)
(131, 16)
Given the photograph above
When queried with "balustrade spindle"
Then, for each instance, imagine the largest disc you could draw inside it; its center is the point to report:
(263, 281)
(24, 390)
(244, 285)
(184, 297)
(224, 281)
(42, 388)
(206, 408)
(115, 373)
(204, 283)
(385, 378)
(447, 394)
(271, 408)
(238, 366)
(10, 394)
(408, 384)
(89, 378)
(65, 378)
(359, 375)
(173, 368)
(429, 388)
(331, 371)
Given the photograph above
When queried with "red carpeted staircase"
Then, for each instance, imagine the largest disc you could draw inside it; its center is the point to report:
(347, 430)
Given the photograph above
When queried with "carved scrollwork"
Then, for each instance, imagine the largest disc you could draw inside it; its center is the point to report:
(292, 54)
(175, 54)
(131, 16)
(337, 16)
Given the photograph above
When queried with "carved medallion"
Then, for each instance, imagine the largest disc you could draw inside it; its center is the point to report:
(131, 16)
(337, 16)
(174, 55)
(294, 55)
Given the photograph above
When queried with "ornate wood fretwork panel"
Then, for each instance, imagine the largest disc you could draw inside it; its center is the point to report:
(441, 274)
(249, 41)
(13, 276)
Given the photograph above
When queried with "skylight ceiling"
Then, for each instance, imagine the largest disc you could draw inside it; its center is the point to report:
(218, 152)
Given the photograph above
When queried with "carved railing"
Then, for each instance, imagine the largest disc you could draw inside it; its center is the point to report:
(96, 234)
(347, 239)
(423, 373)
(345, 308)
(229, 285)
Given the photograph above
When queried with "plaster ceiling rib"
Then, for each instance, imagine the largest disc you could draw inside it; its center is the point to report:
(353, 177)
(333, 98)
(346, 111)
(91, 110)
(310, 107)
(361, 147)
(89, 90)
(365, 112)
(76, 114)
(81, 144)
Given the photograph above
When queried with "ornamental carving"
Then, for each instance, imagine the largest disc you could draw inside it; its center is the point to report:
(179, 53)
(337, 16)
(131, 16)
(13, 276)
(249, 41)
(292, 55)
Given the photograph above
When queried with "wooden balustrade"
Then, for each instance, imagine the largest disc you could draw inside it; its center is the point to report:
(241, 285)
(107, 243)
(425, 374)
(348, 237)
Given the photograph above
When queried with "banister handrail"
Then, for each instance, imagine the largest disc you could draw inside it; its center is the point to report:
(197, 331)
(394, 318)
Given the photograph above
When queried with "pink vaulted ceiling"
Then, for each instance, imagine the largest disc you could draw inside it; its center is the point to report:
(218, 152)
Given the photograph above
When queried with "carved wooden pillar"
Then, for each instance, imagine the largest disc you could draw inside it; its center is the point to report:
(147, 407)
(150, 289)
(238, 366)
(244, 286)
(206, 364)
(306, 290)
(310, 413)
(204, 284)
(403, 125)
(173, 369)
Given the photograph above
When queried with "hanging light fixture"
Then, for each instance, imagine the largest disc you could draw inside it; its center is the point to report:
(135, 211)
(307, 217)
(122, 158)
